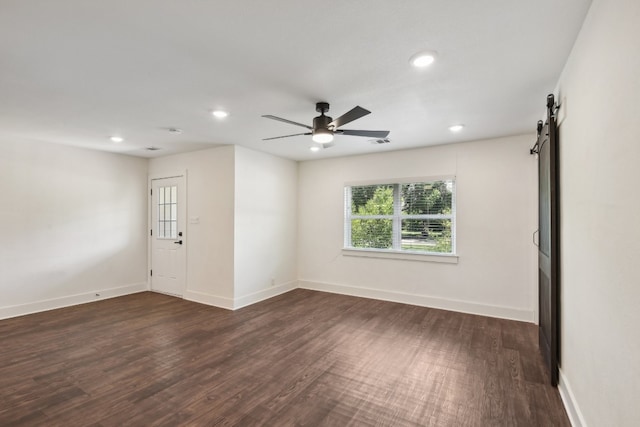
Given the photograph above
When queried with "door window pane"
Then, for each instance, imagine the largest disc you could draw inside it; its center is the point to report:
(167, 212)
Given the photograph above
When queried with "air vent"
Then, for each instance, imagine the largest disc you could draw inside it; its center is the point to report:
(380, 141)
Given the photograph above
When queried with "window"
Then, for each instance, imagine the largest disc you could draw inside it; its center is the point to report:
(416, 217)
(168, 212)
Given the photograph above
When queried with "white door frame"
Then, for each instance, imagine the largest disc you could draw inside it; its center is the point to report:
(150, 222)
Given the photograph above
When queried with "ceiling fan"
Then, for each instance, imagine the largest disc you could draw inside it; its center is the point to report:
(324, 127)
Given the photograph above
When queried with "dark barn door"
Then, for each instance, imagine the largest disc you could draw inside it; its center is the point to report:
(548, 247)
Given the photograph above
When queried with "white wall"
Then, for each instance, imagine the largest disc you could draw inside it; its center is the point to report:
(600, 205)
(265, 256)
(73, 224)
(210, 243)
(496, 216)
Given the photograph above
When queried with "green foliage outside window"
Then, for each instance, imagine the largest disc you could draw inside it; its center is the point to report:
(427, 199)
(428, 207)
(373, 233)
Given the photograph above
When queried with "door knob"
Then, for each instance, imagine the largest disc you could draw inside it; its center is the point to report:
(179, 242)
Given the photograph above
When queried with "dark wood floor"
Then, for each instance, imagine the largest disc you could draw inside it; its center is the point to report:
(303, 358)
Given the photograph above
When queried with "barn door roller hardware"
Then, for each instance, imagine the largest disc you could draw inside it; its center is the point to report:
(552, 110)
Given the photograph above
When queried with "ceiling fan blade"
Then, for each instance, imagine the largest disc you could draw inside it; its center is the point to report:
(286, 136)
(368, 133)
(280, 119)
(349, 116)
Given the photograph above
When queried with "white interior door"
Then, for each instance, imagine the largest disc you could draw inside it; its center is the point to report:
(168, 249)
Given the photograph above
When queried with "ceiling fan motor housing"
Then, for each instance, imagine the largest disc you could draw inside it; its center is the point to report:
(321, 122)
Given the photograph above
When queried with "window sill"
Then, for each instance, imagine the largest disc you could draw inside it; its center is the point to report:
(408, 256)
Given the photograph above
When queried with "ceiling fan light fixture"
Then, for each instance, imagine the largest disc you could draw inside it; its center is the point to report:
(322, 136)
(324, 126)
(422, 59)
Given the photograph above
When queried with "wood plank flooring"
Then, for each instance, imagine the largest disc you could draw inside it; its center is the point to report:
(301, 359)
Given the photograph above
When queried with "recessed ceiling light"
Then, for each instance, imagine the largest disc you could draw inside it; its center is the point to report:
(220, 114)
(456, 128)
(422, 59)
(116, 139)
(314, 148)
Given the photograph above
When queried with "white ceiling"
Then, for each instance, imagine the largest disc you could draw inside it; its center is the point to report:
(76, 71)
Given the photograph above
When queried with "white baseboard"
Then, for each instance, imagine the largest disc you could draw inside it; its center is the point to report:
(69, 300)
(569, 401)
(423, 301)
(208, 299)
(243, 301)
(264, 294)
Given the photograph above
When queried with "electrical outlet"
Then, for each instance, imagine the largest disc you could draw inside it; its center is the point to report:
(273, 281)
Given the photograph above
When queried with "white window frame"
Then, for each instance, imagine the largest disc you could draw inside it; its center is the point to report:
(397, 252)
